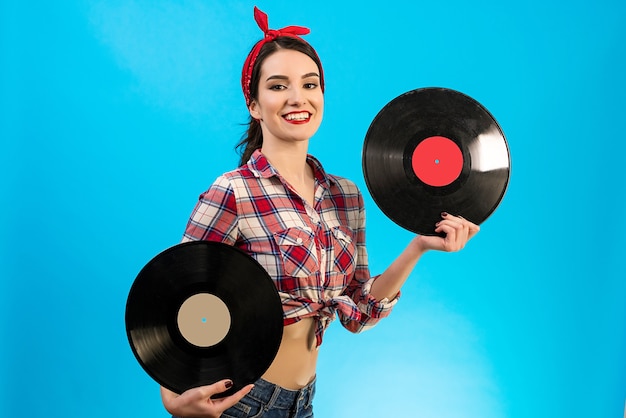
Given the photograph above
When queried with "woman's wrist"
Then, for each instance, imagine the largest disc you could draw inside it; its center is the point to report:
(418, 246)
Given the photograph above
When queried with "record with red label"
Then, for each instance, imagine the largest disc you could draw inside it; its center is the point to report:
(435, 150)
(200, 312)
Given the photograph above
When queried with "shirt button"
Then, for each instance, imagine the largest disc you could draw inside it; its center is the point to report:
(299, 241)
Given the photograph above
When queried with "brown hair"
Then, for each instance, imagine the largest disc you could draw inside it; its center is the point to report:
(252, 139)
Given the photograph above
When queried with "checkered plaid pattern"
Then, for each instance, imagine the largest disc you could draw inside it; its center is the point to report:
(315, 254)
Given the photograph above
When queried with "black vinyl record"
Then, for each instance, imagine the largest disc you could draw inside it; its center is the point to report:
(204, 311)
(435, 150)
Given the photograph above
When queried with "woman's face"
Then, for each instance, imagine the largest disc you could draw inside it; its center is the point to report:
(290, 102)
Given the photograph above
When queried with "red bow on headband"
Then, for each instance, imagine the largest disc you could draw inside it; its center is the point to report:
(270, 35)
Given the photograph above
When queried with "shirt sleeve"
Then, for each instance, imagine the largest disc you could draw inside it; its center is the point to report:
(370, 309)
(214, 217)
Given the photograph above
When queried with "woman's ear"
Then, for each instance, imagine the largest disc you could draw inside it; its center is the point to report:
(253, 108)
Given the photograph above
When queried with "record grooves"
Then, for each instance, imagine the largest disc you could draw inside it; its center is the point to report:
(432, 150)
(204, 311)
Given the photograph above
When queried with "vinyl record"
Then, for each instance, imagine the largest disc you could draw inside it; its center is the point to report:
(204, 311)
(434, 150)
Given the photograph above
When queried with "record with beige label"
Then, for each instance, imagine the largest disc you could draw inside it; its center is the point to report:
(200, 312)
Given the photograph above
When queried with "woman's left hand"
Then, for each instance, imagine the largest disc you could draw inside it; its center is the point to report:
(458, 231)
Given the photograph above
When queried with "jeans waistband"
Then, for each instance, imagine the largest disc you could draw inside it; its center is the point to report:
(280, 397)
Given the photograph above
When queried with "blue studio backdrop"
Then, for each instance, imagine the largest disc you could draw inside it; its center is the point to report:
(116, 115)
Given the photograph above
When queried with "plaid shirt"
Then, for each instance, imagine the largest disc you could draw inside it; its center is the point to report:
(315, 255)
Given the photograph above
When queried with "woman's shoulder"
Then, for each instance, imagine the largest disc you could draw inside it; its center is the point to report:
(241, 171)
(228, 180)
(344, 184)
(238, 173)
(237, 181)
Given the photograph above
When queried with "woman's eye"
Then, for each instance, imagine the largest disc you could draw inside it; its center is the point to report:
(310, 85)
(277, 87)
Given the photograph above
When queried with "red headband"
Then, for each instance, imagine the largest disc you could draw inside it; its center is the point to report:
(270, 35)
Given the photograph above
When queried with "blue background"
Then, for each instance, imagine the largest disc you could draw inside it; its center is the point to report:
(115, 115)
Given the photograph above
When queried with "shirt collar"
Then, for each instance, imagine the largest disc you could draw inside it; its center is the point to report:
(261, 167)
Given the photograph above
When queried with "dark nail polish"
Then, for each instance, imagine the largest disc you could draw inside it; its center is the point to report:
(444, 214)
(229, 384)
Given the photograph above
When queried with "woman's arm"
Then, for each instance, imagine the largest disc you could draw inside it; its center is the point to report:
(458, 232)
(214, 217)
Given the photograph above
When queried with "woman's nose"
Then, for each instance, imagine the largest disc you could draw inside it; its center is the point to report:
(296, 98)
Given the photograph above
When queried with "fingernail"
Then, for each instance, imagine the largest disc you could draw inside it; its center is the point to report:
(229, 384)
(444, 214)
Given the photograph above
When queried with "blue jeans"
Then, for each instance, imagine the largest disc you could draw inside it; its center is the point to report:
(268, 400)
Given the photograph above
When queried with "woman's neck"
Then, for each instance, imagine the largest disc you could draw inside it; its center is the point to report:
(289, 161)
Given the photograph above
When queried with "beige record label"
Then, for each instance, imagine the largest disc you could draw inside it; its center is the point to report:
(203, 320)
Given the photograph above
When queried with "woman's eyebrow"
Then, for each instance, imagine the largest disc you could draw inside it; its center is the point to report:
(284, 77)
(277, 77)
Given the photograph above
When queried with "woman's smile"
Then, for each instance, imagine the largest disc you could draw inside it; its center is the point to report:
(297, 117)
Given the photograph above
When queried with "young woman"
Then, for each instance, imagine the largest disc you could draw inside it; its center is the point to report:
(306, 227)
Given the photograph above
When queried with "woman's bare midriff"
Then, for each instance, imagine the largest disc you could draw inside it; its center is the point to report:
(296, 360)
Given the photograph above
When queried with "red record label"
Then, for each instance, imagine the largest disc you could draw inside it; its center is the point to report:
(437, 161)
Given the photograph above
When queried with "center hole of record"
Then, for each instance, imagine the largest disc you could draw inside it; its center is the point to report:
(203, 320)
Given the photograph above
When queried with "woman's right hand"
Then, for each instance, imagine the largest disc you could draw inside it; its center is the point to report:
(197, 402)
